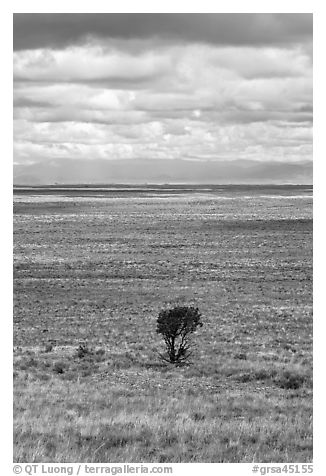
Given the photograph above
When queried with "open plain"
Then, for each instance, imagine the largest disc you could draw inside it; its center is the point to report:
(93, 266)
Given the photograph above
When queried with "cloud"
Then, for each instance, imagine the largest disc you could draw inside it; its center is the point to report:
(83, 64)
(69, 114)
(74, 95)
(168, 66)
(84, 91)
(178, 77)
(35, 30)
(161, 139)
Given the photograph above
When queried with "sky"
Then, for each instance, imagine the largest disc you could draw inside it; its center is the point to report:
(219, 98)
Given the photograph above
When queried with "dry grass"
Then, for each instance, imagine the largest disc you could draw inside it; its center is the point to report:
(150, 415)
(96, 272)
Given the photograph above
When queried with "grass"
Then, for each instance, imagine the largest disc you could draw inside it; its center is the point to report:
(137, 413)
(91, 275)
(162, 414)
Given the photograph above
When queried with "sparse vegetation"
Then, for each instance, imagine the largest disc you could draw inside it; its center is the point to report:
(59, 367)
(292, 379)
(98, 271)
(83, 350)
(48, 347)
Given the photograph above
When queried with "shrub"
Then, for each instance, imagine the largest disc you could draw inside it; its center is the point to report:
(291, 380)
(48, 347)
(59, 367)
(100, 352)
(99, 355)
(176, 325)
(240, 356)
(83, 350)
(28, 363)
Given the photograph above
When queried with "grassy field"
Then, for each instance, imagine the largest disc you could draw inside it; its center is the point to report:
(96, 268)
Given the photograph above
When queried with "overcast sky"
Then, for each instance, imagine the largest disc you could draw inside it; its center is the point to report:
(204, 87)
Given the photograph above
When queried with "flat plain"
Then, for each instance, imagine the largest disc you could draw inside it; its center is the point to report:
(94, 266)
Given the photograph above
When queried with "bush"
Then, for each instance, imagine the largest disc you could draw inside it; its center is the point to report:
(176, 325)
(83, 350)
(240, 356)
(28, 363)
(291, 380)
(48, 347)
(99, 355)
(59, 367)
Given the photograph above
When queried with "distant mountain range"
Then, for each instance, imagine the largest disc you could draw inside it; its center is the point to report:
(92, 171)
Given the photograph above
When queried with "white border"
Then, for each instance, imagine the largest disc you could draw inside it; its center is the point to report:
(202, 6)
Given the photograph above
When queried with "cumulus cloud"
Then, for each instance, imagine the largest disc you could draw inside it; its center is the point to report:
(230, 87)
(86, 64)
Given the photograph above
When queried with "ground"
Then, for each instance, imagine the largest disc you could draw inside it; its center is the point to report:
(95, 268)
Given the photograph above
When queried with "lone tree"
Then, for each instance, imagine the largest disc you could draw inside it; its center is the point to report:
(176, 325)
